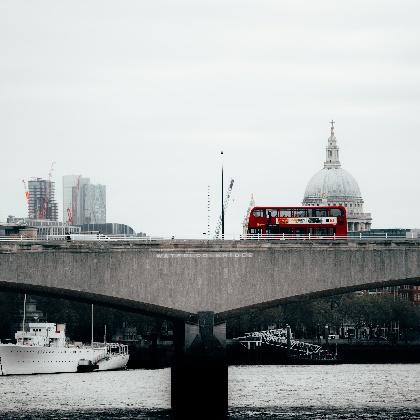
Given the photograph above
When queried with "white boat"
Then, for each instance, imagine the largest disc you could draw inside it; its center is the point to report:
(45, 349)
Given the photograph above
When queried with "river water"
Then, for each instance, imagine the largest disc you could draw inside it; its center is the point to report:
(255, 392)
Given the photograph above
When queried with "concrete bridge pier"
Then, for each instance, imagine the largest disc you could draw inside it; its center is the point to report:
(199, 376)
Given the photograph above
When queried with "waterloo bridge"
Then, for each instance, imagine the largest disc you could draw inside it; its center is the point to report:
(199, 285)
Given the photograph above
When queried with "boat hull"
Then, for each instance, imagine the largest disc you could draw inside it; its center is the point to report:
(114, 362)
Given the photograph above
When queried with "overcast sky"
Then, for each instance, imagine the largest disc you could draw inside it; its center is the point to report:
(142, 95)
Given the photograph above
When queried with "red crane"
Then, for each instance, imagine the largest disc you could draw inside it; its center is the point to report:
(26, 191)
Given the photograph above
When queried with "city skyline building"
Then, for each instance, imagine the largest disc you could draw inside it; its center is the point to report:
(333, 185)
(41, 200)
(83, 202)
(94, 203)
(72, 200)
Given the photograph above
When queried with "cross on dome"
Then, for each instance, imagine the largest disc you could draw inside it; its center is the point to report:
(332, 160)
(332, 122)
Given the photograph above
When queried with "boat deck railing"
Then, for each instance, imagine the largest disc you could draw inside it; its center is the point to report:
(117, 348)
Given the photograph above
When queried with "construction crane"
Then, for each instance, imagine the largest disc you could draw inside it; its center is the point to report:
(248, 212)
(26, 191)
(225, 205)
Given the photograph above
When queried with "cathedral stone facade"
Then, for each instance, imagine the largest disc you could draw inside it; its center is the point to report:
(332, 186)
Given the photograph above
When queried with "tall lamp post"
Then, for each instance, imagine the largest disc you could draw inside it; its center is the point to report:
(223, 208)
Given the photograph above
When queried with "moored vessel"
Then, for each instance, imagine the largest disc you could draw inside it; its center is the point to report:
(45, 349)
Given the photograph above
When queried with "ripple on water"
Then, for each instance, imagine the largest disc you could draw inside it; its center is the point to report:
(339, 386)
(326, 413)
(335, 392)
(120, 414)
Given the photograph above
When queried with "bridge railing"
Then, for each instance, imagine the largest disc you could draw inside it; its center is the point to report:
(250, 237)
(352, 237)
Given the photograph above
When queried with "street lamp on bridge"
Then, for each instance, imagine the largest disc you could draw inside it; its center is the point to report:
(223, 208)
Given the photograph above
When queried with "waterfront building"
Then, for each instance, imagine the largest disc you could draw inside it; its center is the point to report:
(405, 292)
(17, 230)
(47, 228)
(333, 185)
(109, 228)
(25, 227)
(83, 202)
(384, 233)
(41, 201)
(127, 334)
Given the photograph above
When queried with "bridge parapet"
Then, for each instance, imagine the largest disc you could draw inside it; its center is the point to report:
(413, 235)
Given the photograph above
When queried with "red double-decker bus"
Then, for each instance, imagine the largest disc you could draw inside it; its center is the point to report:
(305, 220)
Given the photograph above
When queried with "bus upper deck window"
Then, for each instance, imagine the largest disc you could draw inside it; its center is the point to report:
(258, 213)
(272, 213)
(320, 213)
(285, 213)
(301, 213)
(335, 212)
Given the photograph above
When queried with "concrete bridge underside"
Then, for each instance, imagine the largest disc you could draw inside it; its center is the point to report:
(186, 280)
(179, 278)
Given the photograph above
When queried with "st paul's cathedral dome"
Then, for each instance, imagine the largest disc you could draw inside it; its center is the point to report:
(333, 185)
